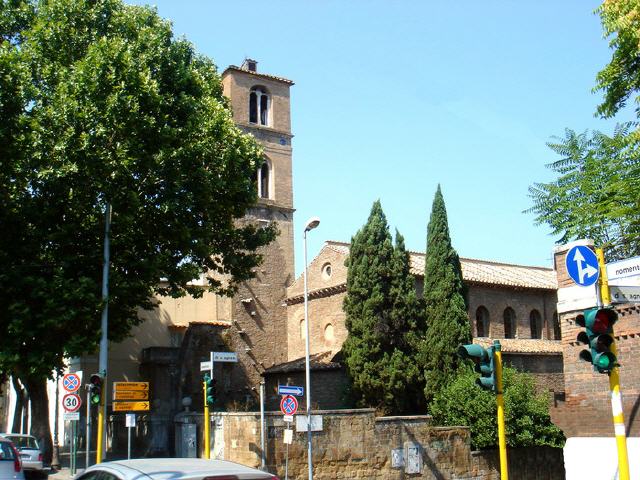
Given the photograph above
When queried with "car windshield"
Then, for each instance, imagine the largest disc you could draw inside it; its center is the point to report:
(6, 452)
(23, 442)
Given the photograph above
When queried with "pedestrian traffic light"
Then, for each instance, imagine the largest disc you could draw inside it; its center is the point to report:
(483, 358)
(598, 334)
(95, 389)
(209, 390)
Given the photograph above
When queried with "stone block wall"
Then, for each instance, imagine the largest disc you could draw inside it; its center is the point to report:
(354, 444)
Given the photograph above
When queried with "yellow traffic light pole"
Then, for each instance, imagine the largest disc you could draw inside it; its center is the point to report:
(207, 422)
(614, 381)
(100, 433)
(502, 440)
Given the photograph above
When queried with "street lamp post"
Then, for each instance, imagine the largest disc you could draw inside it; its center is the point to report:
(312, 223)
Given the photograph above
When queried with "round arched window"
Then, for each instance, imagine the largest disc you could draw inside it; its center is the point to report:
(328, 333)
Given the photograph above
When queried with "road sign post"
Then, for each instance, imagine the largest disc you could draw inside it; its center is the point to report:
(614, 382)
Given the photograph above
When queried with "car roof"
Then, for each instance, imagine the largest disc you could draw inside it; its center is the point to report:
(174, 468)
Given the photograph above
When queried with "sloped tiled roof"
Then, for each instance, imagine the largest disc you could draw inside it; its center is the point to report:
(523, 345)
(272, 77)
(483, 271)
(318, 361)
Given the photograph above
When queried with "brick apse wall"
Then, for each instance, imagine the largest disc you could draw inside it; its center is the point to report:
(354, 444)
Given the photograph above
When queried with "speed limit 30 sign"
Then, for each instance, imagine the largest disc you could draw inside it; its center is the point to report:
(71, 402)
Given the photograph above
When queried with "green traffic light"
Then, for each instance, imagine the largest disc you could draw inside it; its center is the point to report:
(210, 390)
(484, 365)
(598, 324)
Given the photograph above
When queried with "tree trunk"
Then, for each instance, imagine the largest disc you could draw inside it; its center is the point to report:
(20, 405)
(37, 388)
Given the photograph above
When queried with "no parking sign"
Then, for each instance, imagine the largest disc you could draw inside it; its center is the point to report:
(289, 405)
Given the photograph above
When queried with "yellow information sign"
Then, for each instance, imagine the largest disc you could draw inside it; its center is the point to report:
(131, 394)
(136, 386)
(130, 406)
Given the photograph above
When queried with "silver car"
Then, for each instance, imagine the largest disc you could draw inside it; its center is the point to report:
(10, 464)
(172, 469)
(29, 451)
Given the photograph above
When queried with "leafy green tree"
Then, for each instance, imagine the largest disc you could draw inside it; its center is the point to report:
(527, 420)
(100, 104)
(594, 195)
(446, 307)
(378, 318)
(620, 78)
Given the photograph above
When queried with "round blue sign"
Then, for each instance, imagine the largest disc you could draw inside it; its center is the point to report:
(582, 265)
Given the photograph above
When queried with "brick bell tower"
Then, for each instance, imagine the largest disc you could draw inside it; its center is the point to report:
(258, 334)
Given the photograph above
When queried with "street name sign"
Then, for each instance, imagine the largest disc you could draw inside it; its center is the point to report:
(135, 386)
(290, 390)
(624, 272)
(71, 382)
(131, 394)
(582, 265)
(130, 406)
(225, 357)
(71, 402)
(624, 294)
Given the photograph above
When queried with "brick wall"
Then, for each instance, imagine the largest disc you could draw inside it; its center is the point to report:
(586, 410)
(354, 444)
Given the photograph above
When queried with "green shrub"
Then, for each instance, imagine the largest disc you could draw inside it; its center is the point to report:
(527, 420)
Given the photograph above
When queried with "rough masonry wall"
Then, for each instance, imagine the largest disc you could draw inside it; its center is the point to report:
(354, 444)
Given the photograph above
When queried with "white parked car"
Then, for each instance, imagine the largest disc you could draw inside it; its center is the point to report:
(172, 469)
(29, 451)
(10, 464)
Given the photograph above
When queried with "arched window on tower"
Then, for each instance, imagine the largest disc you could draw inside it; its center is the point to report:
(482, 322)
(263, 179)
(535, 324)
(259, 106)
(509, 323)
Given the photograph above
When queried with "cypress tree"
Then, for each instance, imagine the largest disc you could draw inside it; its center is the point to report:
(378, 319)
(446, 306)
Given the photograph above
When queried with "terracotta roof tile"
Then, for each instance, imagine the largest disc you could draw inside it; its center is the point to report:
(483, 271)
(318, 361)
(272, 77)
(523, 345)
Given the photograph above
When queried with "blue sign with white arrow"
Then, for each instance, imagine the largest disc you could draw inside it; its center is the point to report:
(582, 265)
(290, 390)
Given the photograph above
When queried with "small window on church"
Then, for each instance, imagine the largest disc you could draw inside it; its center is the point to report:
(509, 317)
(263, 180)
(303, 330)
(535, 323)
(482, 322)
(259, 105)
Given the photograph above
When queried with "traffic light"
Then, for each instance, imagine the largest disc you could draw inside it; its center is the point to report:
(95, 389)
(598, 324)
(209, 390)
(483, 359)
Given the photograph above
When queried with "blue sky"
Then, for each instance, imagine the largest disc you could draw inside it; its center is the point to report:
(392, 98)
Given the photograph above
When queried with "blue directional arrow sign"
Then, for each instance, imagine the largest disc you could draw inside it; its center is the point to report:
(582, 265)
(290, 390)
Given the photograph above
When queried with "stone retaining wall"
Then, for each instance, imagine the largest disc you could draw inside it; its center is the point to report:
(355, 444)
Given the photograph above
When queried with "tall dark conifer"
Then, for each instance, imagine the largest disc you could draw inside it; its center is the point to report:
(379, 308)
(446, 307)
